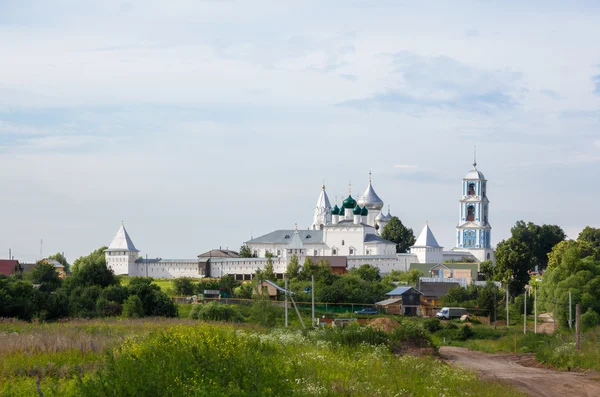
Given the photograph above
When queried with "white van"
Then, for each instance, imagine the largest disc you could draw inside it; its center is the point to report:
(448, 313)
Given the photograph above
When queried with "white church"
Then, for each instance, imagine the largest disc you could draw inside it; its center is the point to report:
(346, 236)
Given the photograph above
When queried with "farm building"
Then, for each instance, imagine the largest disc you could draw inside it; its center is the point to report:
(402, 300)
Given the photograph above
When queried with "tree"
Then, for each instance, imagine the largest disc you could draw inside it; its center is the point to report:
(133, 307)
(410, 277)
(60, 259)
(154, 301)
(367, 272)
(246, 252)
(268, 271)
(590, 240)
(45, 274)
(513, 263)
(183, 286)
(539, 239)
(397, 233)
(293, 267)
(92, 270)
(227, 284)
(487, 268)
(320, 270)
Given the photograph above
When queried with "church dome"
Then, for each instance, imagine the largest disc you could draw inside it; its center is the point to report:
(370, 199)
(335, 211)
(380, 217)
(357, 210)
(475, 174)
(349, 202)
(388, 217)
(364, 211)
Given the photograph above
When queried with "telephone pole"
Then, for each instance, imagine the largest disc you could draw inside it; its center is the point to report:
(525, 312)
(286, 302)
(535, 310)
(570, 312)
(507, 314)
(312, 290)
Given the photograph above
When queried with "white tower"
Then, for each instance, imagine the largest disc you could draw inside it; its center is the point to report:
(371, 200)
(473, 233)
(322, 215)
(427, 248)
(121, 253)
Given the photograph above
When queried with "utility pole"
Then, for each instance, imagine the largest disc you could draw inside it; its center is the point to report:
(507, 314)
(312, 290)
(495, 306)
(286, 302)
(9, 254)
(577, 328)
(570, 312)
(525, 312)
(535, 310)
(555, 323)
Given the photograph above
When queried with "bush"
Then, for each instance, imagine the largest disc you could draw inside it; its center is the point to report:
(432, 325)
(214, 311)
(451, 326)
(184, 286)
(133, 307)
(264, 312)
(465, 333)
(590, 319)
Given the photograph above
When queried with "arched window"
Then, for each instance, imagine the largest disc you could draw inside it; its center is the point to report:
(470, 213)
(488, 256)
(471, 189)
(334, 251)
(342, 242)
(322, 226)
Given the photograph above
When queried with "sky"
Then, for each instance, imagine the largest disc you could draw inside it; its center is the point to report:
(202, 123)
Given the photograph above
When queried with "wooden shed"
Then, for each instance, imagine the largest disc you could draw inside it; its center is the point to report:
(402, 300)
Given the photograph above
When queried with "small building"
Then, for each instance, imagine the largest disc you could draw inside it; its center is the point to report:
(269, 289)
(401, 300)
(9, 266)
(467, 271)
(59, 267)
(337, 264)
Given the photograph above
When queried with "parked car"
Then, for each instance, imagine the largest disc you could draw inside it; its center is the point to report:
(448, 313)
(367, 310)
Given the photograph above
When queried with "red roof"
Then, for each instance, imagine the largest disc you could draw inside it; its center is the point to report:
(8, 266)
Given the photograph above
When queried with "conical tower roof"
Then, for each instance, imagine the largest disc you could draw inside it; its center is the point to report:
(122, 241)
(296, 241)
(323, 200)
(426, 238)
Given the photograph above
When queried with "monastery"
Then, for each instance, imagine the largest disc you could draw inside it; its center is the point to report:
(346, 236)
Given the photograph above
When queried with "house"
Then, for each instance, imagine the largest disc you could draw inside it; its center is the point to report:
(60, 269)
(455, 271)
(268, 288)
(432, 294)
(401, 300)
(9, 266)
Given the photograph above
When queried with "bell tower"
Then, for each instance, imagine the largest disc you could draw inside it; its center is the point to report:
(473, 233)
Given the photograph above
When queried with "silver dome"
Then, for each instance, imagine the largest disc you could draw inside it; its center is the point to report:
(474, 174)
(370, 199)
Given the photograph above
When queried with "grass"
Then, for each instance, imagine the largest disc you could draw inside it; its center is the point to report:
(176, 357)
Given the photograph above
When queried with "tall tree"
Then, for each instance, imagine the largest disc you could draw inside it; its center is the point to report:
(92, 270)
(246, 252)
(46, 276)
(293, 267)
(590, 240)
(269, 272)
(539, 239)
(513, 263)
(397, 233)
(367, 272)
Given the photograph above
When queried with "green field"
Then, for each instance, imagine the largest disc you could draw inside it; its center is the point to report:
(179, 357)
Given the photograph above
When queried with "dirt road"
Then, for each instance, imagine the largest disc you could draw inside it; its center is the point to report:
(531, 380)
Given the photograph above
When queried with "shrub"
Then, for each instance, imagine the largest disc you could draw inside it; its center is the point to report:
(465, 333)
(214, 311)
(432, 325)
(183, 286)
(264, 312)
(133, 307)
(451, 326)
(590, 319)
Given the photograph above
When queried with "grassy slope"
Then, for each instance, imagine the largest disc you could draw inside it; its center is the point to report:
(182, 357)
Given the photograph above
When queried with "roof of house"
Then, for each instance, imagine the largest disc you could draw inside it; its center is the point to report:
(436, 289)
(220, 254)
(283, 236)
(53, 262)
(373, 239)
(334, 261)
(277, 287)
(8, 266)
(401, 291)
(388, 302)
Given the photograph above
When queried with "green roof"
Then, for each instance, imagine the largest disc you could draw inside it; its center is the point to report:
(349, 202)
(364, 211)
(335, 211)
(357, 210)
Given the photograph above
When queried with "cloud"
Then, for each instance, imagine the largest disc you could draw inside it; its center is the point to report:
(550, 93)
(597, 83)
(426, 82)
(472, 33)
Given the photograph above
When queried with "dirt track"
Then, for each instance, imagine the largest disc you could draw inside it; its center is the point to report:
(531, 380)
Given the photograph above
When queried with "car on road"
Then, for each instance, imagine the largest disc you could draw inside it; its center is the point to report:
(448, 313)
(366, 310)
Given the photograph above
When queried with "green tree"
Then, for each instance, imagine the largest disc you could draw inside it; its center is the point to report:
(399, 234)
(45, 274)
(92, 270)
(487, 269)
(60, 259)
(246, 252)
(589, 238)
(154, 301)
(410, 277)
(133, 307)
(513, 263)
(183, 286)
(367, 272)
(320, 270)
(539, 239)
(268, 272)
(293, 267)
(227, 284)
